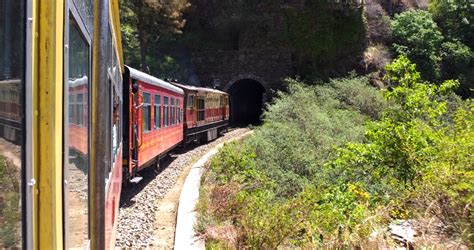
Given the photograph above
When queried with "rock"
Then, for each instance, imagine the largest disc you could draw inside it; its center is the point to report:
(403, 232)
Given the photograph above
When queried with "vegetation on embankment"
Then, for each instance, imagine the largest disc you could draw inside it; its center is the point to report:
(334, 163)
(9, 204)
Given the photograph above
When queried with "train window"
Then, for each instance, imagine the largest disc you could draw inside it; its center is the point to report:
(172, 112)
(201, 109)
(178, 112)
(190, 101)
(115, 122)
(157, 111)
(77, 140)
(146, 115)
(72, 109)
(12, 93)
(80, 109)
(165, 111)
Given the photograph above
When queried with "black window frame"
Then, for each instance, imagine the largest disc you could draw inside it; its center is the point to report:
(165, 111)
(157, 115)
(146, 112)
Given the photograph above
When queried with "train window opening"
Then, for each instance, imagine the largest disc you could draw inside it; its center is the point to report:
(166, 111)
(178, 108)
(146, 117)
(115, 123)
(80, 109)
(157, 111)
(190, 101)
(172, 111)
(77, 137)
(201, 109)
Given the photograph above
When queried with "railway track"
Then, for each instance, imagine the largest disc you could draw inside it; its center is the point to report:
(141, 204)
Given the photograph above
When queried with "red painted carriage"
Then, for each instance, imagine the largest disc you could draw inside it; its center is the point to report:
(206, 113)
(155, 123)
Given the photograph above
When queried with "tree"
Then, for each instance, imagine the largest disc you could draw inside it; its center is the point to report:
(455, 18)
(418, 37)
(147, 21)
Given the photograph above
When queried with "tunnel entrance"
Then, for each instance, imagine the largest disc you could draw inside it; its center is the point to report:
(246, 102)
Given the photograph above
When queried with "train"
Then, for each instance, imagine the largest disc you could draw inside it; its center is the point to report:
(76, 123)
(159, 116)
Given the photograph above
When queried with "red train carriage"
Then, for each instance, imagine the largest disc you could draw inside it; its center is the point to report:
(10, 109)
(155, 123)
(206, 112)
(78, 117)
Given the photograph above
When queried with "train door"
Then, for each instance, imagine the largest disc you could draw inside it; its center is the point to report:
(190, 116)
(76, 128)
(135, 133)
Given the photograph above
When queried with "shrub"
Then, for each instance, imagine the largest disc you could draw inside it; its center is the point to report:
(418, 37)
(9, 204)
(415, 156)
(286, 196)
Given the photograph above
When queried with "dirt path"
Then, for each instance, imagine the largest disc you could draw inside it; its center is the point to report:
(166, 215)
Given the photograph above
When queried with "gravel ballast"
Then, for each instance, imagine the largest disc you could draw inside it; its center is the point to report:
(139, 204)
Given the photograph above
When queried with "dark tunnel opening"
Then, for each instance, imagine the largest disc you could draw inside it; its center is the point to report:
(246, 102)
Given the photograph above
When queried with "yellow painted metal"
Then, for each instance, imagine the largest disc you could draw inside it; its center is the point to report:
(114, 13)
(32, 56)
(50, 121)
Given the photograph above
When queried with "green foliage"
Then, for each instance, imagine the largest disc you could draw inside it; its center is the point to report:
(413, 152)
(418, 37)
(447, 185)
(438, 55)
(284, 195)
(456, 19)
(310, 178)
(144, 23)
(323, 36)
(458, 62)
(9, 205)
(302, 126)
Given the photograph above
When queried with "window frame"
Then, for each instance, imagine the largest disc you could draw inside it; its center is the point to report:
(166, 111)
(157, 106)
(146, 107)
(72, 13)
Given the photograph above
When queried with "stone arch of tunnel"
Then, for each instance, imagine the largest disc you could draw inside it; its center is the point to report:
(246, 101)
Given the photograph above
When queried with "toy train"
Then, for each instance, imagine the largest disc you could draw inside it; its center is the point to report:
(158, 116)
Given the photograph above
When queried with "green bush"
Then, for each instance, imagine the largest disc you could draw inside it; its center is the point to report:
(284, 195)
(418, 37)
(333, 163)
(415, 157)
(302, 126)
(9, 204)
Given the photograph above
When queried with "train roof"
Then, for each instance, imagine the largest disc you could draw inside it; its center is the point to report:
(194, 88)
(144, 77)
(78, 81)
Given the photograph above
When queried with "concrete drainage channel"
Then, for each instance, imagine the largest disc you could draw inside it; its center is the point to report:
(185, 236)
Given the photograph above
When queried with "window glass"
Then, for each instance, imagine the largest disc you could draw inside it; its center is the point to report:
(201, 109)
(146, 117)
(190, 101)
(178, 114)
(12, 82)
(165, 111)
(172, 112)
(77, 138)
(115, 122)
(157, 111)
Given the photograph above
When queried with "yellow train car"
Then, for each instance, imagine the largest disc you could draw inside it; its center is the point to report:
(60, 153)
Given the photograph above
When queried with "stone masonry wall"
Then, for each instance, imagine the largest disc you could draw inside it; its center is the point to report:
(220, 69)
